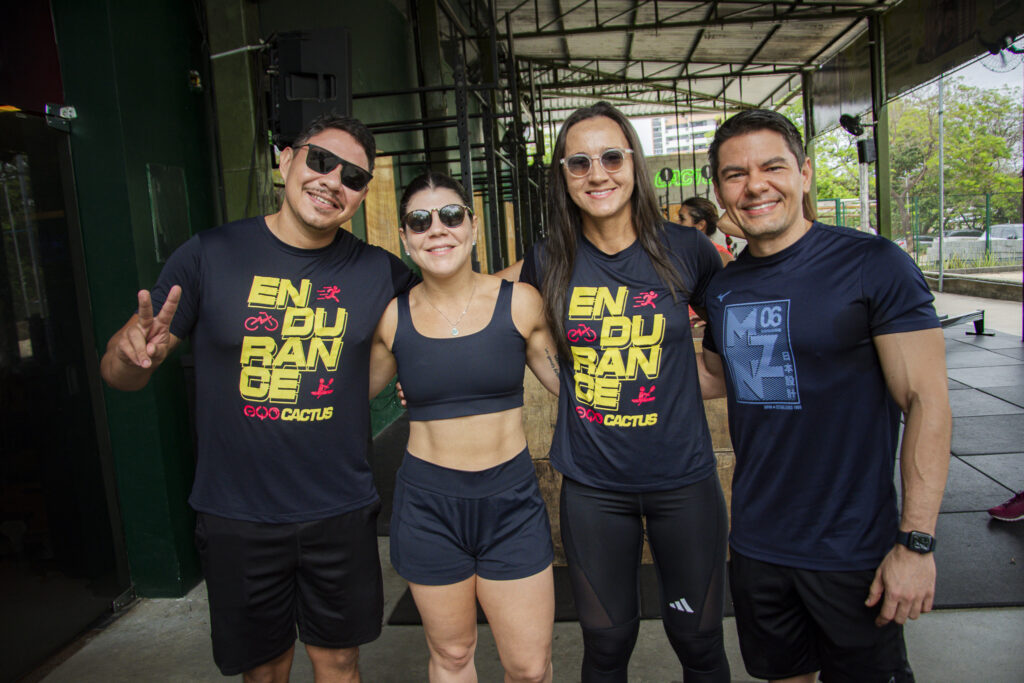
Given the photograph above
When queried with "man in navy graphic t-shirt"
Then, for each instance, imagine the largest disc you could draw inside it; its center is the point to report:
(823, 337)
(281, 311)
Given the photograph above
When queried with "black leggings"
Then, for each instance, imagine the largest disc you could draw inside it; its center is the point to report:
(603, 533)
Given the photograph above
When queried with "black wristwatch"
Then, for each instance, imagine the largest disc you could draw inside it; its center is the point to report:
(918, 541)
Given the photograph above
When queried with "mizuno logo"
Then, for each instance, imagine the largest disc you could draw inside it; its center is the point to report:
(721, 297)
(681, 606)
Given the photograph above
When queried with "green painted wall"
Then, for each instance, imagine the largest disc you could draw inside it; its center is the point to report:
(125, 68)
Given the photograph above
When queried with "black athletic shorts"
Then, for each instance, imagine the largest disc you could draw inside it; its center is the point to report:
(797, 621)
(263, 579)
(447, 524)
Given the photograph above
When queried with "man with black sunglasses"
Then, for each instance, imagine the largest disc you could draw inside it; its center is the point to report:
(281, 310)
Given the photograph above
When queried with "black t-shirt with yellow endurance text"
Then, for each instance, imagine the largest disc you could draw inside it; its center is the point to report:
(630, 414)
(281, 338)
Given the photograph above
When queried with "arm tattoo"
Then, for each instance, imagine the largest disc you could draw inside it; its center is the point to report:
(551, 360)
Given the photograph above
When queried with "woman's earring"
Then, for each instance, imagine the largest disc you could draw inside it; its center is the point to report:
(474, 243)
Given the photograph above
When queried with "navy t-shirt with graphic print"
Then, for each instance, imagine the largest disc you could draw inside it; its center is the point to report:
(630, 414)
(812, 422)
(281, 339)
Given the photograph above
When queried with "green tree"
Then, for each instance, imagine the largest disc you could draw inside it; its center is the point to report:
(835, 157)
(983, 157)
(982, 150)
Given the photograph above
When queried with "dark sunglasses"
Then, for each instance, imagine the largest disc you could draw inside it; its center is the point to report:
(321, 161)
(451, 216)
(611, 160)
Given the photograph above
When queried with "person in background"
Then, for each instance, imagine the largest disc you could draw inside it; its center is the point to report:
(700, 213)
(468, 521)
(1010, 511)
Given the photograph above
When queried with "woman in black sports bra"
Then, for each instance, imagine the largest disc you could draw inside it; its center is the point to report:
(468, 521)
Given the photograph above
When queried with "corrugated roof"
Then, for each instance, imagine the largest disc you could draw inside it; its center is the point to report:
(642, 55)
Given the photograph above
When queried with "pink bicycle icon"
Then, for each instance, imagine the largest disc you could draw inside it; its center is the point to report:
(583, 332)
(264, 319)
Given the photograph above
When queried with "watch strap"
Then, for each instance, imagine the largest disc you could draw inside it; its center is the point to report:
(918, 541)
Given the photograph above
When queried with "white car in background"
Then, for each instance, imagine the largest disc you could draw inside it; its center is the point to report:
(1004, 231)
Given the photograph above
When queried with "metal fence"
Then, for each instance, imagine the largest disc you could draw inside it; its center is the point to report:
(967, 239)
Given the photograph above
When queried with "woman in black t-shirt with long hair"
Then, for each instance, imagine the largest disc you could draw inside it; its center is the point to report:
(631, 439)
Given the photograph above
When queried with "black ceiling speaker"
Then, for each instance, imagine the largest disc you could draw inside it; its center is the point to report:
(310, 73)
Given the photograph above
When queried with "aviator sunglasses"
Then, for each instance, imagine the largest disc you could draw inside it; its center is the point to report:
(611, 160)
(321, 161)
(451, 216)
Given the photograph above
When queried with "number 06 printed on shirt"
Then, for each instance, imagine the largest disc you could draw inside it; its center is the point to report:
(760, 356)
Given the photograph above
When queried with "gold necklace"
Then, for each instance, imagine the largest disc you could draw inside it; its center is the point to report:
(455, 325)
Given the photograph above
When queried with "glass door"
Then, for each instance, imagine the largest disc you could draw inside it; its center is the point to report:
(62, 561)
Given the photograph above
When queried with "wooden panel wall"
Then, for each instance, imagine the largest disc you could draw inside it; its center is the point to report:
(510, 233)
(381, 208)
(481, 232)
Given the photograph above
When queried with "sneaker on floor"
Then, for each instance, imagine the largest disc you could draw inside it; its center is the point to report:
(1010, 511)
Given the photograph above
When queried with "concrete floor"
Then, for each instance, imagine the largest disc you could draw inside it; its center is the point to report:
(168, 640)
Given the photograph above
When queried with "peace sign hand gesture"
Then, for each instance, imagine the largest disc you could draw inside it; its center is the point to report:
(139, 347)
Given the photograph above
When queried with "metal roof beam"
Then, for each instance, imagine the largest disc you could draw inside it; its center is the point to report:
(750, 59)
(792, 17)
(666, 79)
(566, 64)
(659, 109)
(810, 63)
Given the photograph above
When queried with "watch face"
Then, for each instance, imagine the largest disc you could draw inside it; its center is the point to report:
(919, 542)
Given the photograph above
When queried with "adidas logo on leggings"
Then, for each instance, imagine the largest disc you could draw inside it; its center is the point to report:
(681, 605)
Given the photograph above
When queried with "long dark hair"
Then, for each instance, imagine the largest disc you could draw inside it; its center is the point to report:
(701, 209)
(565, 223)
